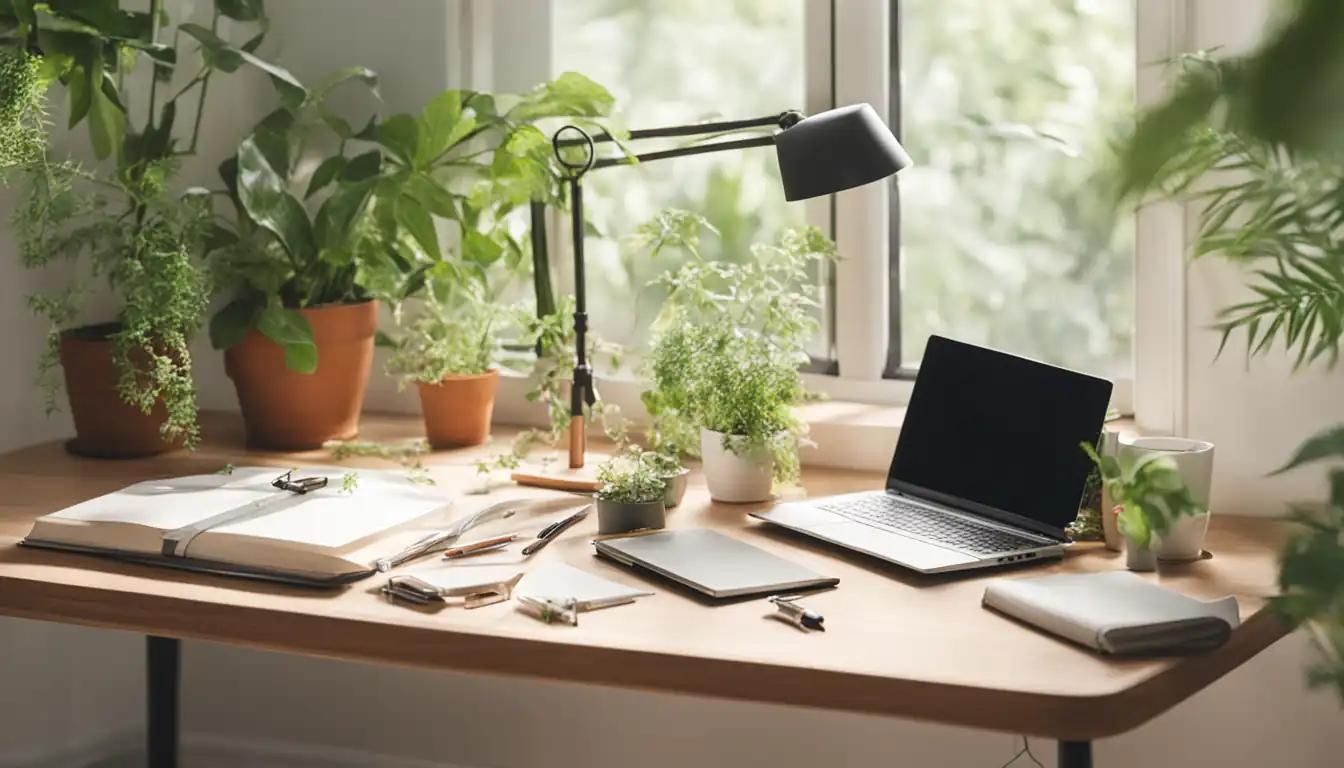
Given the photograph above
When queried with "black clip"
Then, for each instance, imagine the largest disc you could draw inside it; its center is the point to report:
(301, 485)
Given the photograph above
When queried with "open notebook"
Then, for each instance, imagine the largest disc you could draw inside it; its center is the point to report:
(239, 524)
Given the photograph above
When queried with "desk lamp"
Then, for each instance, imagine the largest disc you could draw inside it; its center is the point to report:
(820, 155)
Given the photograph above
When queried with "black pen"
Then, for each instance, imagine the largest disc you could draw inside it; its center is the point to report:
(552, 531)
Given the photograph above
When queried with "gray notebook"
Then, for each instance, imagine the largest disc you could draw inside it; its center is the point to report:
(709, 562)
(1116, 612)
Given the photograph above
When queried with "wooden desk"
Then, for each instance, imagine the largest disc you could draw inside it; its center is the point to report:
(898, 643)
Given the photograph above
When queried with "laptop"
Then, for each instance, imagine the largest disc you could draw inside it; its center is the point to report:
(987, 470)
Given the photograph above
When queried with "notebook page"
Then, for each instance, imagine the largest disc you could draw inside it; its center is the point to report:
(561, 581)
(167, 504)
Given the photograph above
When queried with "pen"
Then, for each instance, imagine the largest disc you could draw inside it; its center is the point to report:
(474, 547)
(552, 531)
(792, 612)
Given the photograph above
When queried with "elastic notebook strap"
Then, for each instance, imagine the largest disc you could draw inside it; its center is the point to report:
(175, 542)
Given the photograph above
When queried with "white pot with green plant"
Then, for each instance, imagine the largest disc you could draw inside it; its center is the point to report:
(631, 496)
(723, 375)
(1149, 495)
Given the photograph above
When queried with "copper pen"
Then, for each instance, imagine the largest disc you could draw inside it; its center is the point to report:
(475, 547)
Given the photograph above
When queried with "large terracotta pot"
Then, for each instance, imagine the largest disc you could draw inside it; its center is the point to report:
(106, 427)
(457, 410)
(288, 411)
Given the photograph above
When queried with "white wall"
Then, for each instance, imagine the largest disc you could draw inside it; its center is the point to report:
(65, 685)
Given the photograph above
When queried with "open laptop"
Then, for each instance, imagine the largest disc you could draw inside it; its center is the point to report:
(987, 471)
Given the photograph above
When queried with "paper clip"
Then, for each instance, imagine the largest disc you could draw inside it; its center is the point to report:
(550, 610)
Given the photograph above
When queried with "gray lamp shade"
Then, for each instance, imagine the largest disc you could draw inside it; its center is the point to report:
(837, 150)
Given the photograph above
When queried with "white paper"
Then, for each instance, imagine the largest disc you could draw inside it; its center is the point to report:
(559, 581)
(166, 504)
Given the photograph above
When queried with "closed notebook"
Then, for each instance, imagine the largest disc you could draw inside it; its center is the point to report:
(238, 523)
(1116, 612)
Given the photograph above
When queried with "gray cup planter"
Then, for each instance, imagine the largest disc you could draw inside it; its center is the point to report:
(620, 517)
(675, 487)
(1139, 558)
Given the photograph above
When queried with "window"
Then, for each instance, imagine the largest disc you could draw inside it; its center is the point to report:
(673, 64)
(997, 235)
(1002, 237)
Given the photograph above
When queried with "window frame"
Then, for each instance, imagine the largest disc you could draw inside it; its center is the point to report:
(852, 52)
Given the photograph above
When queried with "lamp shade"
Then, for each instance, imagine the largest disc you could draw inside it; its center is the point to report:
(836, 150)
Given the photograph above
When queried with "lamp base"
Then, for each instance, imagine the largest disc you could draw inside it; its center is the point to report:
(559, 477)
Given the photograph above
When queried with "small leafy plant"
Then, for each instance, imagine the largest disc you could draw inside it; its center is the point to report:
(1150, 491)
(730, 339)
(628, 479)
(457, 334)
(409, 455)
(22, 137)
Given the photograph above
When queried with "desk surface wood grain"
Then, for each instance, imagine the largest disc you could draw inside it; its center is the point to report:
(897, 643)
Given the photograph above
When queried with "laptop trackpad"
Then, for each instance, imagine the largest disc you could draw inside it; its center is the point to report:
(890, 546)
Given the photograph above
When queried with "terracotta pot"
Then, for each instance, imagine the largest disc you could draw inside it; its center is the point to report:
(288, 411)
(458, 409)
(106, 427)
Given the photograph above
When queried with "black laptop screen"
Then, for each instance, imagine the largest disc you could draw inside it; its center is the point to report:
(999, 430)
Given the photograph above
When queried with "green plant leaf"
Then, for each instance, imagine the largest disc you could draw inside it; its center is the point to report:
(400, 134)
(263, 194)
(432, 196)
(437, 123)
(228, 59)
(231, 323)
(325, 174)
(107, 122)
(1328, 444)
(338, 212)
(480, 248)
(331, 81)
(240, 10)
(365, 166)
(570, 94)
(420, 225)
(294, 333)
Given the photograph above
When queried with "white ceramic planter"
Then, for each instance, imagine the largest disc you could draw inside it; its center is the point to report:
(732, 478)
(1194, 460)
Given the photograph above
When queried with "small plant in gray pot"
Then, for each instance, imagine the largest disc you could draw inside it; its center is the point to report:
(675, 477)
(631, 496)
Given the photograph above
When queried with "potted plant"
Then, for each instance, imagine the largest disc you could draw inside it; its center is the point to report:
(667, 463)
(631, 496)
(1259, 155)
(128, 376)
(723, 380)
(1149, 496)
(450, 348)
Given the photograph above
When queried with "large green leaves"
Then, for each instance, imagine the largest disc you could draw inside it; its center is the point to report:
(230, 325)
(331, 81)
(1328, 444)
(294, 333)
(418, 222)
(268, 202)
(570, 95)
(400, 134)
(338, 213)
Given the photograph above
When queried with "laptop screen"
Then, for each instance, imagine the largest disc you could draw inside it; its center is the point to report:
(999, 430)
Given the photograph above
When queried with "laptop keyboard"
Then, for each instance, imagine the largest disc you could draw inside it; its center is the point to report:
(896, 514)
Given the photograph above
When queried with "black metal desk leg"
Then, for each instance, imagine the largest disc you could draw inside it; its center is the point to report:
(162, 663)
(1075, 754)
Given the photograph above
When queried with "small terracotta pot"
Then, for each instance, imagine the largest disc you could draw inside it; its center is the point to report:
(106, 427)
(458, 409)
(288, 411)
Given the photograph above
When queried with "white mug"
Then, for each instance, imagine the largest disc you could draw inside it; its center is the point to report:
(1194, 460)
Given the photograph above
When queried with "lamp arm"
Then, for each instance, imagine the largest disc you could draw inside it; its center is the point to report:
(698, 149)
(780, 120)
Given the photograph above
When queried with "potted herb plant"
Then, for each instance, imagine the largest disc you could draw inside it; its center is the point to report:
(450, 348)
(631, 496)
(1149, 496)
(675, 477)
(723, 380)
(128, 377)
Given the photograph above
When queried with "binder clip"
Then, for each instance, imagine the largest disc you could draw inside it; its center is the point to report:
(413, 590)
(302, 485)
(550, 610)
